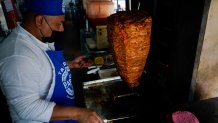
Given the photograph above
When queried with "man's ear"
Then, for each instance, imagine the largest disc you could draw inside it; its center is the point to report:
(39, 21)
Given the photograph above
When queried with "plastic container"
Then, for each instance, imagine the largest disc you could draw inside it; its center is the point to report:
(98, 11)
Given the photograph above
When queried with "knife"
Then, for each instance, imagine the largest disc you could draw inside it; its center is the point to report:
(114, 119)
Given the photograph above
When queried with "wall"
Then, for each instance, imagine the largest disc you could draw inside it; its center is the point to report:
(205, 80)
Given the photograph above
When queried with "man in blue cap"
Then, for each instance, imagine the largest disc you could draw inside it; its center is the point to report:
(34, 77)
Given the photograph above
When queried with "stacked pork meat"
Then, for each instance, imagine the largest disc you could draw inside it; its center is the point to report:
(129, 35)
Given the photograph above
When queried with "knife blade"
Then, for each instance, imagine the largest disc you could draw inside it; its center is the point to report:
(119, 118)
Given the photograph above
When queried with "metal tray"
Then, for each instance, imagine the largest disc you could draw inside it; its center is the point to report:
(107, 73)
(111, 98)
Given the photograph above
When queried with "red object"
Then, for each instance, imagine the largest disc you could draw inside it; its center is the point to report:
(12, 16)
(182, 117)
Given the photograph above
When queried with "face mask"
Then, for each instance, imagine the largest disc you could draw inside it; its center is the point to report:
(55, 36)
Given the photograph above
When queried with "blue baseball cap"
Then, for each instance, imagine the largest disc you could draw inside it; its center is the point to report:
(45, 7)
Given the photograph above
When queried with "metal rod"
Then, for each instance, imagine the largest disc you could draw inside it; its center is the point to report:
(126, 95)
(130, 5)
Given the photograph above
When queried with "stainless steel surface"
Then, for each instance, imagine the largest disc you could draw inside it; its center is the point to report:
(99, 96)
(2, 19)
(107, 73)
(100, 81)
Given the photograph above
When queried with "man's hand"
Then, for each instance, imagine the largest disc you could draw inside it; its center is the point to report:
(80, 62)
(82, 115)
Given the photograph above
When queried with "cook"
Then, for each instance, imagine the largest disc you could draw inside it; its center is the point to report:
(34, 77)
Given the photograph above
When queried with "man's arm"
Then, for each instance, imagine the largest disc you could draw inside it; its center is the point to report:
(83, 115)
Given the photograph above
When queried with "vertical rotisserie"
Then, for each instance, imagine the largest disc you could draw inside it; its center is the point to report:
(129, 36)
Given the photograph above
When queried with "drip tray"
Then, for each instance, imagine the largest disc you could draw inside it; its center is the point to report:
(111, 98)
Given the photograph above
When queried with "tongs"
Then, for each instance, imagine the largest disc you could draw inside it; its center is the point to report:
(93, 69)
